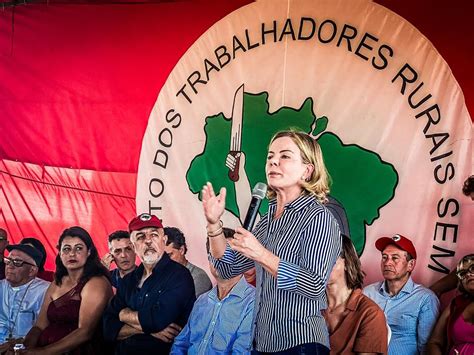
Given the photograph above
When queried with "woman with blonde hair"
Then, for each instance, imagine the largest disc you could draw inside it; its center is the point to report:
(293, 247)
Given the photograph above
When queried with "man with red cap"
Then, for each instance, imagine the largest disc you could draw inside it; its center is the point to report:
(411, 309)
(154, 301)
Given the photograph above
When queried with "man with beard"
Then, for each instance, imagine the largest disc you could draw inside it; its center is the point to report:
(411, 309)
(154, 301)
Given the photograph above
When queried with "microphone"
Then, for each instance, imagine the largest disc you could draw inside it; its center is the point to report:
(258, 194)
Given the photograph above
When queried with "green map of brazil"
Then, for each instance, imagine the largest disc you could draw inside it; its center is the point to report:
(361, 181)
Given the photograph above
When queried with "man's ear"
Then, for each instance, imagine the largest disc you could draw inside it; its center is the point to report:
(33, 271)
(182, 250)
(165, 239)
(411, 265)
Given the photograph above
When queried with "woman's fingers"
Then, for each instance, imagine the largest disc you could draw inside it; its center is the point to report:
(210, 189)
(222, 194)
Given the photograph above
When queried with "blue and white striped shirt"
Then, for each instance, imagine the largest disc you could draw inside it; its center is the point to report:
(307, 240)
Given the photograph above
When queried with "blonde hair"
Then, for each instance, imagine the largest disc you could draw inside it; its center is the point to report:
(317, 184)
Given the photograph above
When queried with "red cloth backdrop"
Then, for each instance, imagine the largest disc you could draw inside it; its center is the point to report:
(77, 84)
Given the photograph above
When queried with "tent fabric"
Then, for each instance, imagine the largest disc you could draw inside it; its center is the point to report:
(77, 85)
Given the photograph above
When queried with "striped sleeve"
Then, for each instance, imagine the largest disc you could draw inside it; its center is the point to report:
(320, 248)
(233, 263)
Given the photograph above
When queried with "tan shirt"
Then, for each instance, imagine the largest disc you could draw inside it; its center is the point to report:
(362, 330)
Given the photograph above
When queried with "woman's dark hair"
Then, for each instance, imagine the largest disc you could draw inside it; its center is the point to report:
(352, 270)
(93, 266)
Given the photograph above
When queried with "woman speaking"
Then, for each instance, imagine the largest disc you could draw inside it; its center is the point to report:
(293, 247)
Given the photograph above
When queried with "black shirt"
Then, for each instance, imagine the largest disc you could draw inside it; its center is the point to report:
(167, 296)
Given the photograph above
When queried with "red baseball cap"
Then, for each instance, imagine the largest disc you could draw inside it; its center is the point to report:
(144, 220)
(400, 241)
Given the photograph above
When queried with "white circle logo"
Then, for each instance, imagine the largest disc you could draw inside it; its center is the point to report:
(382, 103)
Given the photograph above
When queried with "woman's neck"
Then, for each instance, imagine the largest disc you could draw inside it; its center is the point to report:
(338, 294)
(285, 197)
(75, 275)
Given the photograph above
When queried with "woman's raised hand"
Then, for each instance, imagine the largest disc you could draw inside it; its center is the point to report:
(213, 205)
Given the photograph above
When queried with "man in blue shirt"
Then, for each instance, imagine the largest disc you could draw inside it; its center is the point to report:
(157, 295)
(221, 320)
(411, 309)
(21, 294)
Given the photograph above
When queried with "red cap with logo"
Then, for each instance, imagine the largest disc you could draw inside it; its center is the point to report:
(398, 240)
(144, 220)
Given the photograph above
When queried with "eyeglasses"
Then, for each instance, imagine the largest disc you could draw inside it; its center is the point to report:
(461, 274)
(16, 262)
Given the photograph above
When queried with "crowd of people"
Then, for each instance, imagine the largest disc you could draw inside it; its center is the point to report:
(291, 285)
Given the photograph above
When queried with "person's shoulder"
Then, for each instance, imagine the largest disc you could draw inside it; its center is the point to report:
(419, 288)
(40, 283)
(177, 266)
(180, 272)
(424, 292)
(195, 269)
(249, 292)
(365, 302)
(97, 282)
(316, 209)
(311, 204)
(204, 297)
(244, 290)
(371, 288)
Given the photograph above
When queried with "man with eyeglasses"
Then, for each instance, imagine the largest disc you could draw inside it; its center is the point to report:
(411, 309)
(122, 253)
(21, 294)
(154, 301)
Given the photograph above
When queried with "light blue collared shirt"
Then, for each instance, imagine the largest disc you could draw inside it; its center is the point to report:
(219, 326)
(19, 307)
(411, 315)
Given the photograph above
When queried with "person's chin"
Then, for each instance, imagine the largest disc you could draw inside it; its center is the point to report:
(127, 267)
(150, 258)
(73, 266)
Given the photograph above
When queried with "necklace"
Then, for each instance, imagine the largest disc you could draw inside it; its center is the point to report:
(12, 327)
